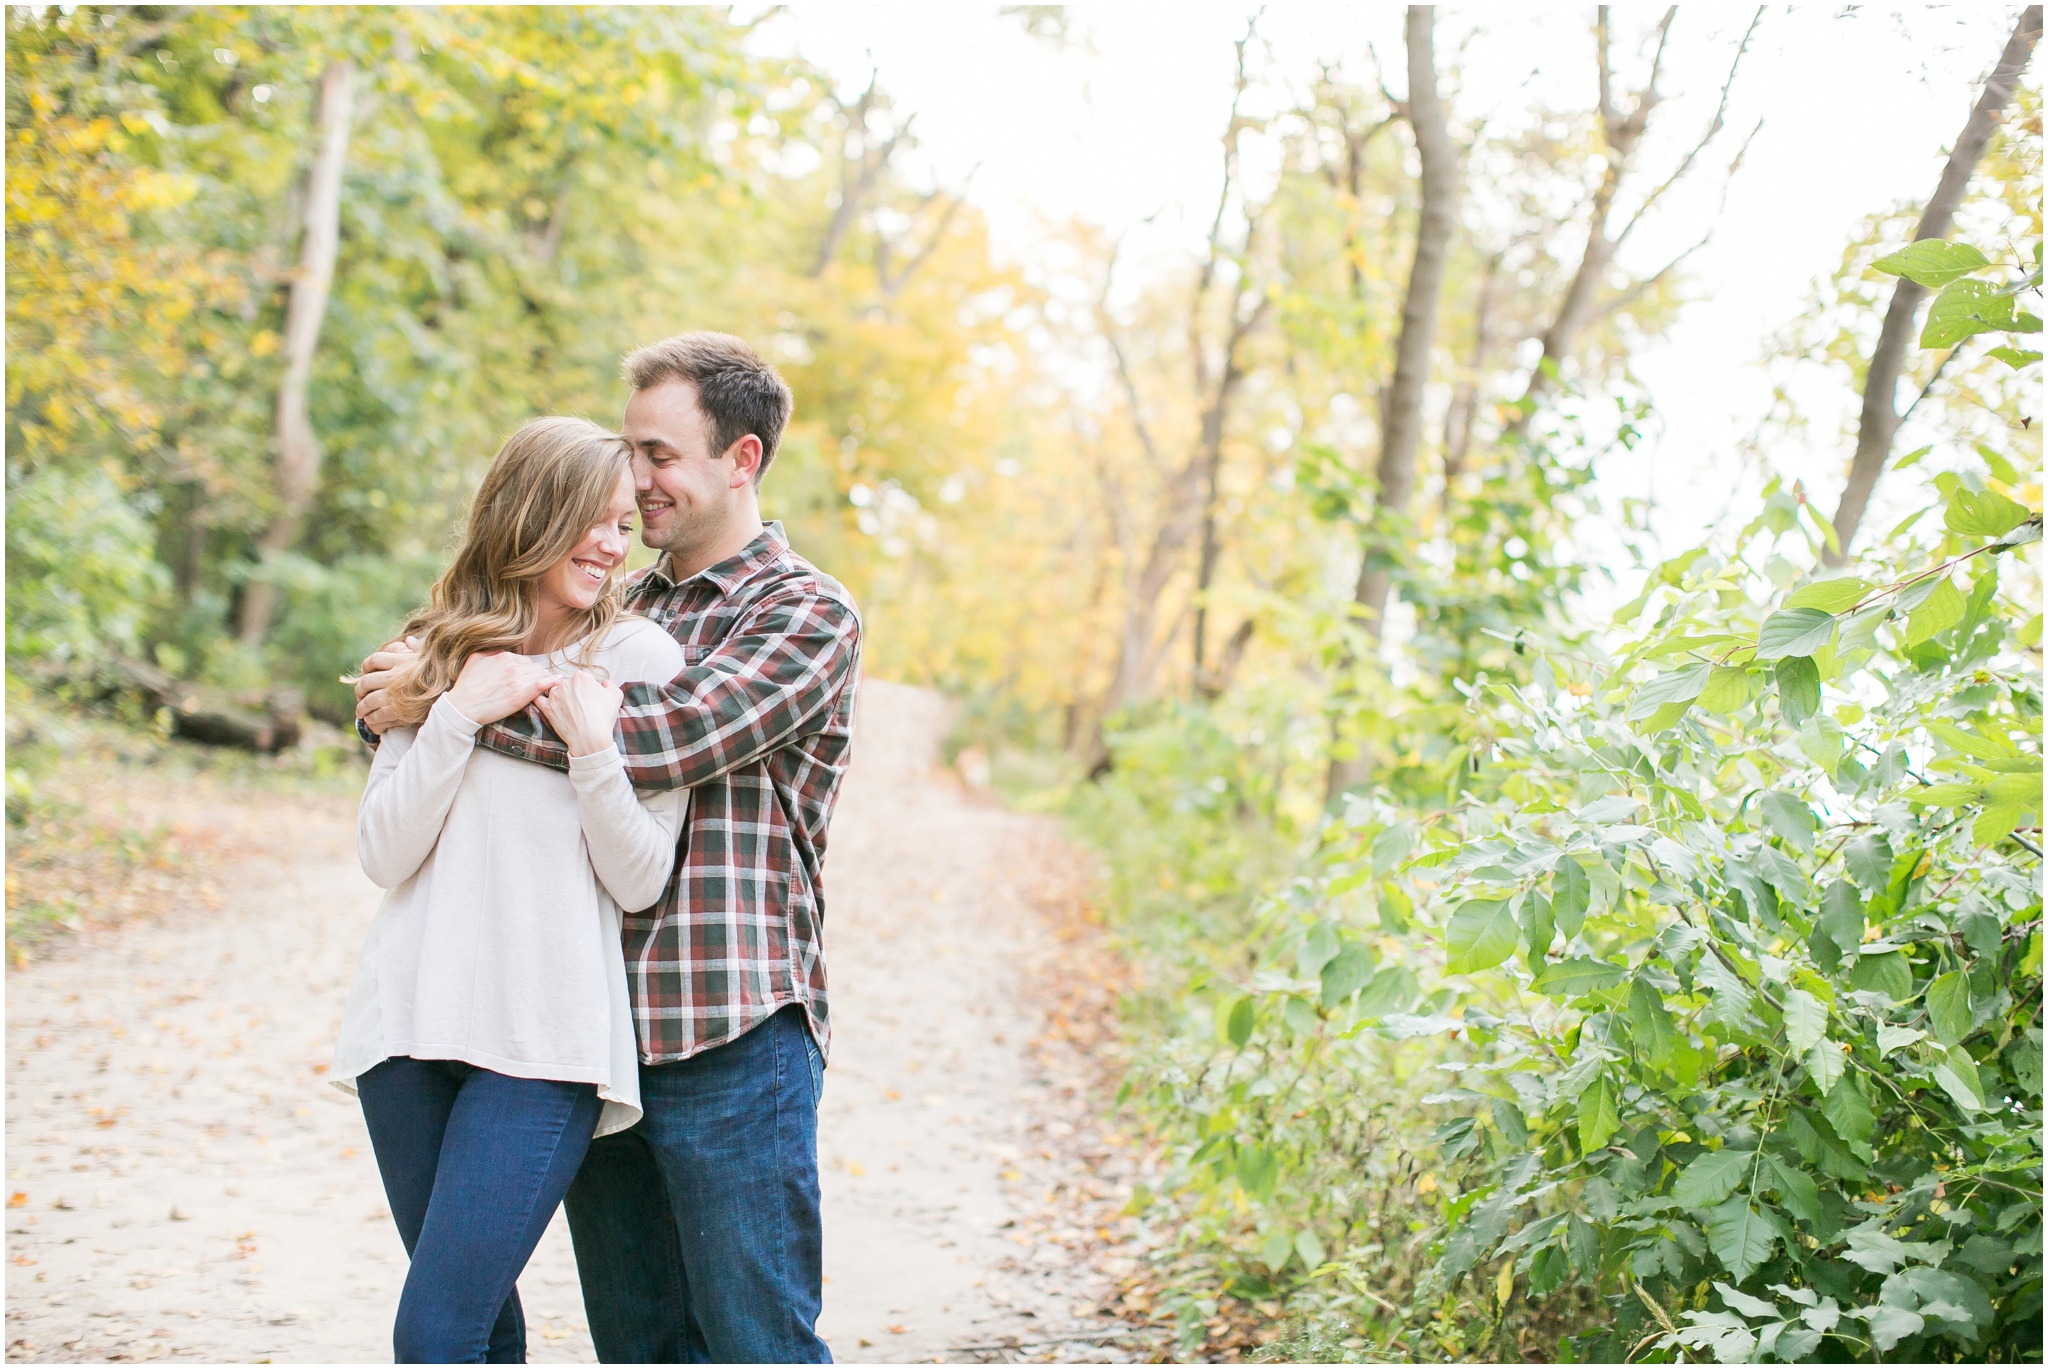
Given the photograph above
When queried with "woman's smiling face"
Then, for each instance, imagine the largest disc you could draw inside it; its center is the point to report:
(576, 581)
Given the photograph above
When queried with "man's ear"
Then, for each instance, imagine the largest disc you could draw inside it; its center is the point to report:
(746, 461)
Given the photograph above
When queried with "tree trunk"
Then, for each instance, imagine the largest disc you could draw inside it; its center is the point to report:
(1881, 418)
(1623, 134)
(1401, 401)
(1210, 461)
(298, 449)
(1465, 399)
(1191, 488)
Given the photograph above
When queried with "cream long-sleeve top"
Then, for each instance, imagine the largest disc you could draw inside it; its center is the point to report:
(498, 942)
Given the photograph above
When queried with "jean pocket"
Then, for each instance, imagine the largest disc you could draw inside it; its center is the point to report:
(817, 1063)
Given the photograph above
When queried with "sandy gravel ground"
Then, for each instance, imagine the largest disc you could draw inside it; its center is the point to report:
(184, 1183)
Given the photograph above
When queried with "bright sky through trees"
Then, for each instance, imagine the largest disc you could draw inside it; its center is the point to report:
(1121, 124)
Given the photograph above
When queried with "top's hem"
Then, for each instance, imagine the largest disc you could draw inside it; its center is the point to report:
(821, 1034)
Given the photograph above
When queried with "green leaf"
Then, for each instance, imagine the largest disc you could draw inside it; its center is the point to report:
(1969, 743)
(1514, 1128)
(1995, 822)
(2015, 357)
(1821, 740)
(1651, 1023)
(1965, 308)
(1310, 1248)
(1728, 997)
(1789, 818)
(1257, 1171)
(1571, 893)
(1887, 972)
(1727, 690)
(1988, 1254)
(1806, 1020)
(1794, 632)
(1824, 1065)
(1391, 990)
(1938, 612)
(1890, 1038)
(1848, 1112)
(1318, 949)
(1830, 596)
(1482, 934)
(1745, 1304)
(1666, 716)
(1243, 1013)
(1344, 976)
(1952, 794)
(2017, 790)
(1673, 687)
(1956, 1072)
(1841, 911)
(1986, 513)
(1740, 1237)
(1300, 1016)
(1801, 1194)
(1392, 846)
(1578, 975)
(1948, 1007)
(1711, 1177)
(1598, 1121)
(1395, 910)
(1869, 861)
(1798, 688)
(1933, 263)
(1538, 927)
(1889, 1325)
(1584, 1244)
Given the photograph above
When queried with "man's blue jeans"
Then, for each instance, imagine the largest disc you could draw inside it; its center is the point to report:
(474, 1163)
(697, 1233)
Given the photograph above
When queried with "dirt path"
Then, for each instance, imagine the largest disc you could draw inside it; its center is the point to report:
(183, 1182)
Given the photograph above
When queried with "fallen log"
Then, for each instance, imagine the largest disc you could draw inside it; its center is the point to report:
(262, 722)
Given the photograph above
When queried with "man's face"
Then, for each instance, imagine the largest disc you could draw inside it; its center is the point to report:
(684, 488)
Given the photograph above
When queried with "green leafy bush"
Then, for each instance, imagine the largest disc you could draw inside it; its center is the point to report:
(81, 573)
(1754, 953)
(1697, 1014)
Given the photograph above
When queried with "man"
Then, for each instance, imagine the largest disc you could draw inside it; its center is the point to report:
(697, 1232)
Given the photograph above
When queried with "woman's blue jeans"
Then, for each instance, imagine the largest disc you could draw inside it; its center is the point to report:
(474, 1164)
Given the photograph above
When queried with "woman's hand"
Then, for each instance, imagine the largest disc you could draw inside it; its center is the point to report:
(497, 684)
(583, 708)
(380, 668)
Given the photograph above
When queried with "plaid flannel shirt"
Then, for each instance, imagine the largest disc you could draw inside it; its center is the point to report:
(758, 728)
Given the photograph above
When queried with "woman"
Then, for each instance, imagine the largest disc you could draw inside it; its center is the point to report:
(489, 1033)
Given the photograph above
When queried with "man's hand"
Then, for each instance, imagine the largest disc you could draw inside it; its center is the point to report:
(583, 709)
(379, 667)
(497, 684)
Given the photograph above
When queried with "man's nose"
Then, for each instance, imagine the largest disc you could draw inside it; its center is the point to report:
(643, 474)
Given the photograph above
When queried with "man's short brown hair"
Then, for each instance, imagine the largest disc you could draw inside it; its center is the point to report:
(738, 391)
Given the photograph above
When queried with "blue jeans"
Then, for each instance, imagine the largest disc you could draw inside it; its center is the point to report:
(474, 1163)
(697, 1233)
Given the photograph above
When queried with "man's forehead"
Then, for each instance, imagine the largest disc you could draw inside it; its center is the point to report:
(665, 412)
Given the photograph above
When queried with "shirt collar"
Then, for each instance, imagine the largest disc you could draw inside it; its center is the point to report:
(734, 570)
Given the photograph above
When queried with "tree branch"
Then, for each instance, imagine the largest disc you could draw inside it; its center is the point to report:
(1714, 128)
(1880, 419)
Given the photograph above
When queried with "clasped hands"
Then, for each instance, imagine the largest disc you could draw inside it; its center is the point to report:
(496, 684)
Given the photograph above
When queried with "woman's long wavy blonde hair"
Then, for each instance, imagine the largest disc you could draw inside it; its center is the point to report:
(549, 485)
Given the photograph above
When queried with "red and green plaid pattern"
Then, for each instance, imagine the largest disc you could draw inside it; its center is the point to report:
(758, 728)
